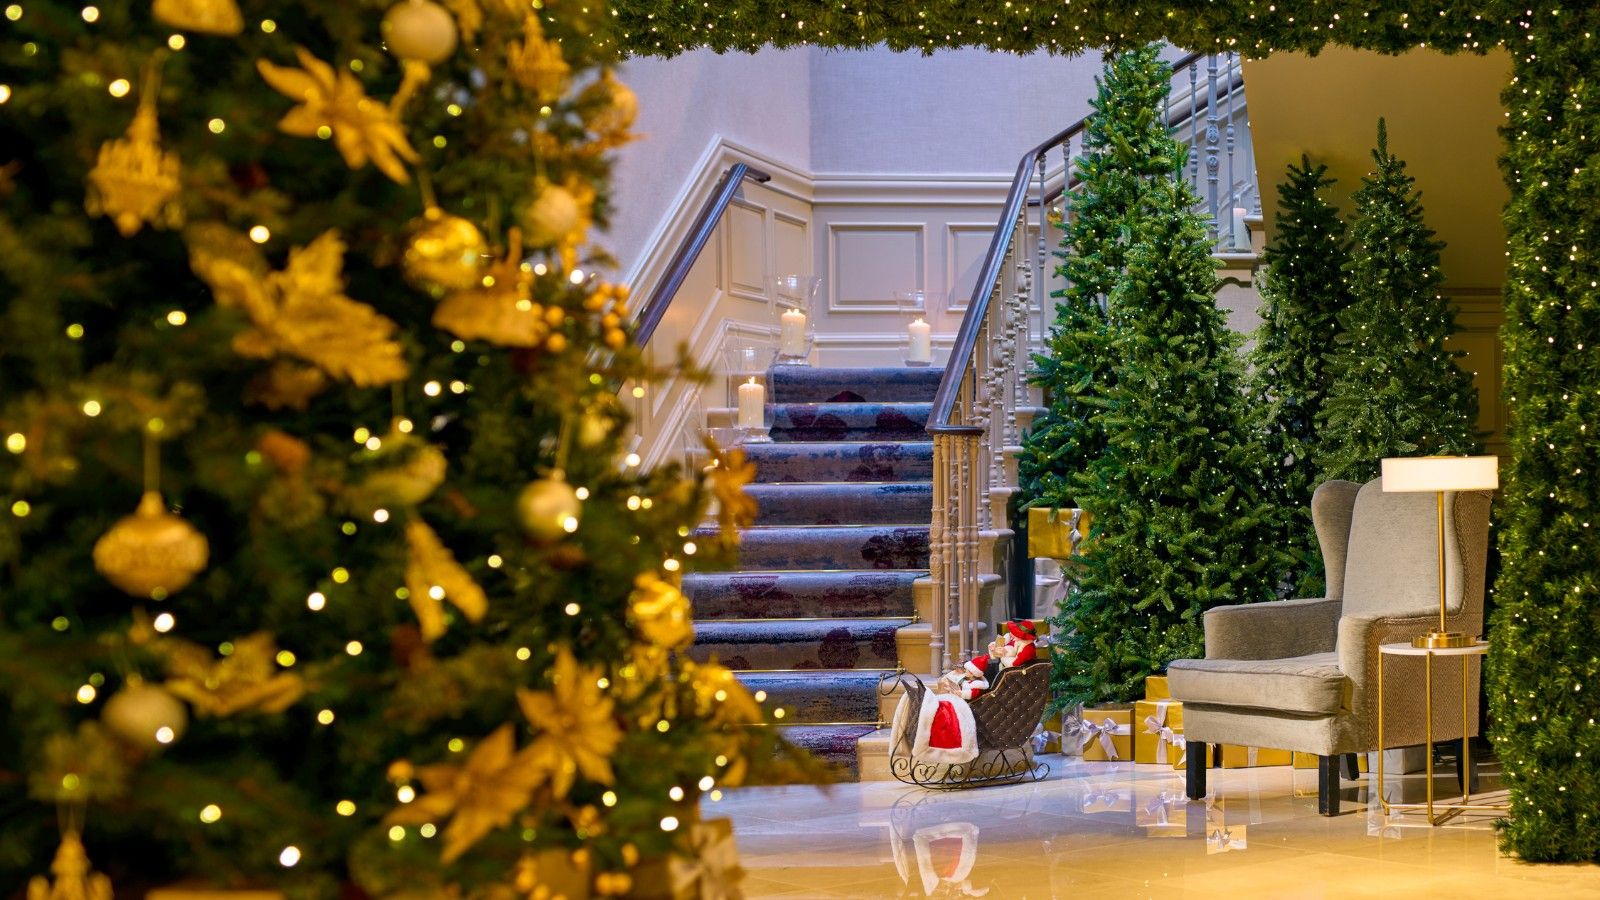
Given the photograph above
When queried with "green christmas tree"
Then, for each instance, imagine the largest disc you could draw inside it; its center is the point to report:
(1302, 292)
(1126, 149)
(1396, 390)
(1180, 521)
(308, 286)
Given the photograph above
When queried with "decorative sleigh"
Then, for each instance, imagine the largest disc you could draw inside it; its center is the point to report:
(1006, 716)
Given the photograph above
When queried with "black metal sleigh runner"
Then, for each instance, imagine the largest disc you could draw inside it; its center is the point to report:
(941, 740)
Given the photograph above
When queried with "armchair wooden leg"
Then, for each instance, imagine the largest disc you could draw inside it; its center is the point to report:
(1328, 785)
(1352, 768)
(1195, 771)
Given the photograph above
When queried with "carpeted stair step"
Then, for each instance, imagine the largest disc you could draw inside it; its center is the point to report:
(832, 547)
(842, 461)
(808, 384)
(798, 644)
(793, 422)
(842, 697)
(797, 595)
(845, 503)
(834, 744)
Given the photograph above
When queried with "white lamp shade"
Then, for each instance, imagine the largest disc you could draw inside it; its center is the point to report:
(1441, 473)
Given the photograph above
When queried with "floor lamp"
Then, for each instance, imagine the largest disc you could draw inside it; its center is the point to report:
(1414, 474)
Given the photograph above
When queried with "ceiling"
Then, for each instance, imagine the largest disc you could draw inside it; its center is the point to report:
(1443, 113)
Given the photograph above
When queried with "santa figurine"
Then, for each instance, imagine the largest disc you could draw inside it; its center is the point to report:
(1014, 647)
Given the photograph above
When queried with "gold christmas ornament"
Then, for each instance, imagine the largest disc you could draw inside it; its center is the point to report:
(409, 483)
(549, 508)
(134, 181)
(74, 878)
(419, 30)
(486, 792)
(536, 63)
(445, 252)
(576, 730)
(247, 680)
(661, 612)
(151, 553)
(609, 109)
(219, 17)
(362, 128)
(551, 215)
(499, 308)
(145, 715)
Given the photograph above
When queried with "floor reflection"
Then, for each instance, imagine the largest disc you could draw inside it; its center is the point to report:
(1116, 829)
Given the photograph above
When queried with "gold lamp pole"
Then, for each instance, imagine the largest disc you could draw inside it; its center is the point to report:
(1415, 474)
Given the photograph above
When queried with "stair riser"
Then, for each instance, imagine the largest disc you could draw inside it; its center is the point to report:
(800, 595)
(779, 463)
(798, 645)
(792, 422)
(843, 504)
(820, 697)
(833, 548)
(834, 744)
(805, 384)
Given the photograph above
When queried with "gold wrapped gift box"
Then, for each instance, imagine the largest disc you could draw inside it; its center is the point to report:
(1309, 761)
(1155, 688)
(1237, 757)
(1158, 733)
(1052, 537)
(1107, 734)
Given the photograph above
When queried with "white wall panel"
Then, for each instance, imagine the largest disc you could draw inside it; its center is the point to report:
(869, 262)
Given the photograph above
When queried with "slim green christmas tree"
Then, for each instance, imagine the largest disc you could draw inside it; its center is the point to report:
(1396, 390)
(308, 285)
(1302, 292)
(1181, 522)
(1126, 148)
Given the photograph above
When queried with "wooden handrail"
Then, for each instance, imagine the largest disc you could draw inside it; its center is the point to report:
(966, 343)
(705, 222)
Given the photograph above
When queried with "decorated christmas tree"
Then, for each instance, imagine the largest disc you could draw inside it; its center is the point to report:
(1126, 148)
(324, 568)
(1396, 390)
(1302, 292)
(1181, 522)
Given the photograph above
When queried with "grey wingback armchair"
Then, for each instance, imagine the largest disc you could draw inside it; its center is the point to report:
(1302, 674)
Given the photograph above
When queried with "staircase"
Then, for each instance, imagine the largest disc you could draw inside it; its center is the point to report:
(827, 571)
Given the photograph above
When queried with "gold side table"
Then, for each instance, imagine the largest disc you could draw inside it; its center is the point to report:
(1464, 804)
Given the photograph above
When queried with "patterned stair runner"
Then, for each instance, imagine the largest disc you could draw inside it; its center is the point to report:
(845, 493)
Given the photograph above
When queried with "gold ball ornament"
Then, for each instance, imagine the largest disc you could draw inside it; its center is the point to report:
(145, 715)
(221, 17)
(151, 553)
(549, 508)
(551, 216)
(419, 30)
(445, 252)
(610, 107)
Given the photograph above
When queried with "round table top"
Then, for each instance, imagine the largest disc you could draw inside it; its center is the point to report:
(1405, 649)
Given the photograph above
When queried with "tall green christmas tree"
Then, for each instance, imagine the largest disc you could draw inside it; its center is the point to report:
(1302, 292)
(1181, 522)
(1126, 148)
(323, 566)
(1396, 390)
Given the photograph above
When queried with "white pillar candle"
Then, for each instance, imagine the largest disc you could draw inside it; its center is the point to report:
(921, 342)
(752, 404)
(792, 333)
(1241, 232)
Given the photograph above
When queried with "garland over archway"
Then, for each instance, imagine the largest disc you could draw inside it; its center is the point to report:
(1544, 671)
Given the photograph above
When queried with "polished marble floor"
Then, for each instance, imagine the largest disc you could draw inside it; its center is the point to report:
(1125, 831)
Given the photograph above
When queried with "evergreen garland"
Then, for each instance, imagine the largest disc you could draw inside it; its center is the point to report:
(1396, 390)
(1302, 292)
(1127, 149)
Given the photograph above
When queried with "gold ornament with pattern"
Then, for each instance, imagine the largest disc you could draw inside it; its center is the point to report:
(220, 17)
(75, 879)
(445, 252)
(151, 553)
(333, 103)
(134, 182)
(499, 309)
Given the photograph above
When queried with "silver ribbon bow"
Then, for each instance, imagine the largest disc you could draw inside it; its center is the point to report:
(1165, 736)
(1160, 807)
(1103, 731)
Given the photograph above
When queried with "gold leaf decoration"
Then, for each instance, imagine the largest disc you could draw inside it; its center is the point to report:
(135, 182)
(661, 612)
(433, 576)
(363, 129)
(536, 63)
(484, 793)
(499, 308)
(577, 730)
(302, 311)
(246, 680)
(730, 472)
(219, 17)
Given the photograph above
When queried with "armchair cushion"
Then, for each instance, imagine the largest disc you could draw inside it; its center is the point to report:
(1311, 685)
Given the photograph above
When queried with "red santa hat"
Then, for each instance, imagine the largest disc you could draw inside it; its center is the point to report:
(1023, 630)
